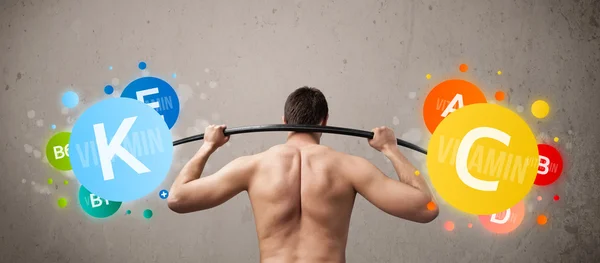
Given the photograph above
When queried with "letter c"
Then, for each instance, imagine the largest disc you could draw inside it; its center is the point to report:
(463, 154)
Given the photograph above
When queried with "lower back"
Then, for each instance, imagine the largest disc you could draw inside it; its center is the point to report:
(301, 204)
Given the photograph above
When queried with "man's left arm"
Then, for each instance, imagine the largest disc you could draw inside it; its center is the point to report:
(191, 193)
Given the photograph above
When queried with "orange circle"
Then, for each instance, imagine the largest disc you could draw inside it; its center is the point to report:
(449, 225)
(440, 97)
(539, 198)
(499, 96)
(430, 206)
(506, 221)
(463, 67)
(470, 225)
(542, 220)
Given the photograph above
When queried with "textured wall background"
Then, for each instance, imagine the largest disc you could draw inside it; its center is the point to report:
(236, 61)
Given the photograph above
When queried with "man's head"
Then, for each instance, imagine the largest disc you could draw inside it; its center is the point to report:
(306, 106)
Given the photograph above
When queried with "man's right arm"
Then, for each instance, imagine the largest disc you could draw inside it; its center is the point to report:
(407, 198)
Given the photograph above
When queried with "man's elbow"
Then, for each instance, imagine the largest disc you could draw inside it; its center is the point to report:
(427, 212)
(175, 203)
(428, 215)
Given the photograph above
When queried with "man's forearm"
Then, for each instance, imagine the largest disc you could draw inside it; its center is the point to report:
(193, 169)
(405, 170)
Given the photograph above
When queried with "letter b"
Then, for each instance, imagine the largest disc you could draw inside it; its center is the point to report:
(543, 165)
(96, 201)
(59, 153)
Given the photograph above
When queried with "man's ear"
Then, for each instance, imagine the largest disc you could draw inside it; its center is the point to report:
(283, 120)
(324, 122)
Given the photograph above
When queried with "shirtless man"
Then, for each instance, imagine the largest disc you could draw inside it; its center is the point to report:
(302, 193)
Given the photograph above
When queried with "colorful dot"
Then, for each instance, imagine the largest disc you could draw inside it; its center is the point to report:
(428, 76)
(174, 75)
(542, 219)
(70, 99)
(50, 181)
(109, 89)
(417, 173)
(148, 213)
(555, 139)
(62, 202)
(109, 67)
(540, 109)
(470, 225)
(499, 72)
(449, 225)
(53, 126)
(499, 96)
(142, 65)
(463, 67)
(556, 197)
(128, 212)
(539, 198)
(66, 182)
(431, 206)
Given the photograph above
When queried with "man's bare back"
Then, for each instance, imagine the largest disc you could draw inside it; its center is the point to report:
(303, 193)
(302, 204)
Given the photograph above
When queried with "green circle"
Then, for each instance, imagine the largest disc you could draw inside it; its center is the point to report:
(57, 151)
(96, 206)
(148, 213)
(128, 212)
(66, 182)
(62, 202)
(50, 181)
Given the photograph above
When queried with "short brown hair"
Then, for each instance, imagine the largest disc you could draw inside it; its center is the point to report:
(306, 105)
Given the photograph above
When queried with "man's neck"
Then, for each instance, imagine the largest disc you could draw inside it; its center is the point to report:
(302, 139)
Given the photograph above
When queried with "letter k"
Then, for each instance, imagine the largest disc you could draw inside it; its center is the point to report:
(107, 151)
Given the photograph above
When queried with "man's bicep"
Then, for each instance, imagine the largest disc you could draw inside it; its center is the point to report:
(213, 190)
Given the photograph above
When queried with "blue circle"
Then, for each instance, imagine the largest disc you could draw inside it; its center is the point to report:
(174, 75)
(109, 67)
(53, 126)
(163, 194)
(157, 94)
(142, 65)
(136, 145)
(109, 89)
(70, 99)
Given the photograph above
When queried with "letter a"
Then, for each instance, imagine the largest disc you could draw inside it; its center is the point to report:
(450, 108)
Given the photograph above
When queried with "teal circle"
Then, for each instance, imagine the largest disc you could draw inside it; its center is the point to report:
(148, 213)
(96, 206)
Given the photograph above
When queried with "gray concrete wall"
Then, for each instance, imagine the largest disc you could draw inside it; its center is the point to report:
(367, 57)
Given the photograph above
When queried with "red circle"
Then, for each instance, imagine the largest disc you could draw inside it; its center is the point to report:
(556, 197)
(550, 165)
(449, 225)
(499, 95)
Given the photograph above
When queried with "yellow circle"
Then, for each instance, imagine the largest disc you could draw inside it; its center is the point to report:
(482, 159)
(499, 72)
(555, 139)
(540, 109)
(428, 76)
(417, 173)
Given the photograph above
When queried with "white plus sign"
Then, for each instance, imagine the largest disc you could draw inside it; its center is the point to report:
(164, 194)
